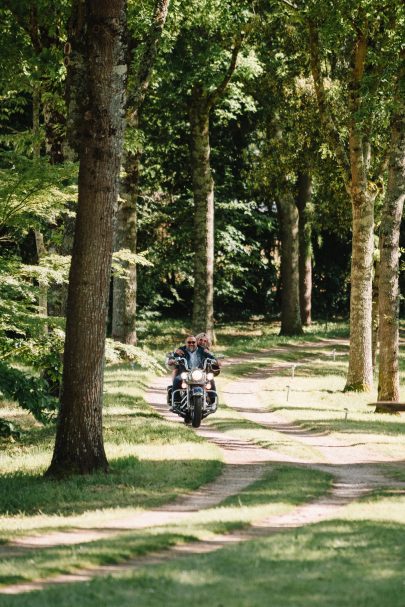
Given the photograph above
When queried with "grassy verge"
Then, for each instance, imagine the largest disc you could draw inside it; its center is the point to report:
(314, 399)
(281, 489)
(335, 563)
(152, 462)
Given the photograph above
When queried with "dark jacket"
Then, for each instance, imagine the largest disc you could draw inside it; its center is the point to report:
(201, 356)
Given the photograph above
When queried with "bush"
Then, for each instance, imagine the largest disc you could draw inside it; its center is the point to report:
(31, 393)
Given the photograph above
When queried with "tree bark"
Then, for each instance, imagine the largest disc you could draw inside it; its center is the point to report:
(290, 299)
(374, 313)
(354, 172)
(98, 107)
(304, 194)
(124, 291)
(43, 290)
(360, 371)
(203, 191)
(201, 103)
(54, 133)
(388, 378)
(39, 237)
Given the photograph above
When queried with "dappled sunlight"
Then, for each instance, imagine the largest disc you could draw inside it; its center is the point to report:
(131, 483)
(166, 452)
(299, 415)
(314, 566)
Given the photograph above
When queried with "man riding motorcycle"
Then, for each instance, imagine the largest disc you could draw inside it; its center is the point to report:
(195, 357)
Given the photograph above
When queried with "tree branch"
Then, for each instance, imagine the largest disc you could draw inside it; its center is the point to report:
(137, 96)
(213, 97)
(290, 4)
(358, 161)
(325, 114)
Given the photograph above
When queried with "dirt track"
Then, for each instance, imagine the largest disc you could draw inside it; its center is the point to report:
(352, 467)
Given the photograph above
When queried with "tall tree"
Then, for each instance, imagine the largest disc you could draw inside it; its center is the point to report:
(201, 104)
(124, 290)
(358, 86)
(388, 378)
(98, 84)
(304, 192)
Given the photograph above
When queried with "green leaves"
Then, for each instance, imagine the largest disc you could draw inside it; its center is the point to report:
(32, 192)
(30, 392)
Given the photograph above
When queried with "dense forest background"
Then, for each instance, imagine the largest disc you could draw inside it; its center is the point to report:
(273, 79)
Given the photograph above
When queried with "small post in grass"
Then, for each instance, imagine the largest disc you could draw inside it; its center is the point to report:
(288, 392)
(293, 371)
(346, 410)
(334, 354)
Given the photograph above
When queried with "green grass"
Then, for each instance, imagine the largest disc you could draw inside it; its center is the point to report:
(335, 563)
(151, 462)
(280, 490)
(356, 560)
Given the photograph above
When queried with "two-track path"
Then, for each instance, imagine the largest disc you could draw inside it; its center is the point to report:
(352, 466)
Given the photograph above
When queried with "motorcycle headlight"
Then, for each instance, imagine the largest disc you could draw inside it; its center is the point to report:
(210, 375)
(183, 375)
(197, 375)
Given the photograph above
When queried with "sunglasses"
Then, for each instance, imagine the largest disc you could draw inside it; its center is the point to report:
(190, 342)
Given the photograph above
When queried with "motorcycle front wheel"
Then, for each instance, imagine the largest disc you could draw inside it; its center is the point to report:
(196, 415)
(187, 418)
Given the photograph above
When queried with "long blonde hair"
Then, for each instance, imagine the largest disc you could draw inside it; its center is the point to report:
(205, 336)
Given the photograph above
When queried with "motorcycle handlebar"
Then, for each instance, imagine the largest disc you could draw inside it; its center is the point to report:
(180, 360)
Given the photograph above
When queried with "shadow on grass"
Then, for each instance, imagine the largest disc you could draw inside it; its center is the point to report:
(347, 426)
(130, 483)
(281, 484)
(334, 563)
(357, 427)
(47, 562)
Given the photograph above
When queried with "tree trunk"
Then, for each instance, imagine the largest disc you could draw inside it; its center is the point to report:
(39, 237)
(290, 300)
(99, 106)
(203, 191)
(388, 378)
(305, 247)
(374, 314)
(54, 123)
(43, 290)
(124, 290)
(360, 371)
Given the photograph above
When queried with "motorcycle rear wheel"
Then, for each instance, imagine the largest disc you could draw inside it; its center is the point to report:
(196, 415)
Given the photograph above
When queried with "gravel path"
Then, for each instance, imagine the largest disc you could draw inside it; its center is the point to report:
(353, 468)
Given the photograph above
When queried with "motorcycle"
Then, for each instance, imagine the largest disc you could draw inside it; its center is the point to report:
(195, 399)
